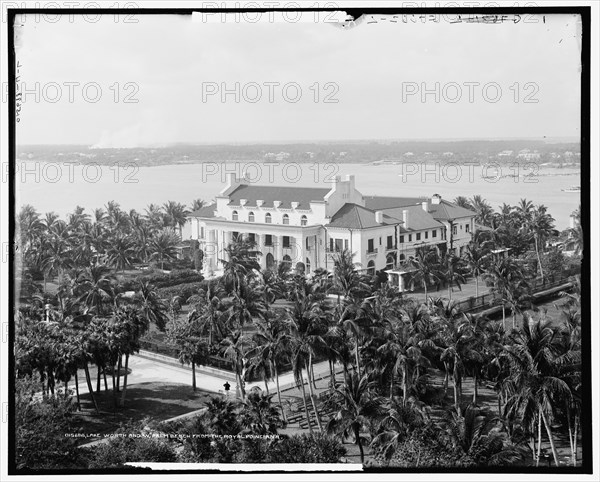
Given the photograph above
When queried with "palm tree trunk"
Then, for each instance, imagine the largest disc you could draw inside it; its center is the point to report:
(98, 379)
(266, 386)
(312, 374)
(312, 395)
(575, 440)
(446, 377)
(404, 387)
(89, 384)
(125, 380)
(194, 376)
(104, 376)
(537, 252)
(475, 388)
(539, 437)
(549, 432)
(305, 405)
(114, 387)
(77, 392)
(119, 363)
(391, 387)
(503, 315)
(359, 443)
(279, 392)
(476, 286)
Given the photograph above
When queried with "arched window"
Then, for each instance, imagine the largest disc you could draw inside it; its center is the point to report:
(287, 260)
(270, 261)
(402, 258)
(303, 221)
(286, 219)
(234, 215)
(268, 218)
(371, 268)
(389, 262)
(250, 217)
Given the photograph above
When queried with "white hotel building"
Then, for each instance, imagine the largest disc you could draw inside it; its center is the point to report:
(306, 226)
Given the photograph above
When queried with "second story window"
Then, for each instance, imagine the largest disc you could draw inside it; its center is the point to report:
(402, 238)
(250, 217)
(370, 246)
(426, 234)
(454, 229)
(286, 219)
(303, 221)
(410, 238)
(268, 218)
(467, 228)
(390, 242)
(434, 233)
(268, 240)
(418, 236)
(234, 215)
(286, 242)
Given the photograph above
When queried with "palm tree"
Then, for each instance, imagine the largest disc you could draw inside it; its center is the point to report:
(120, 252)
(175, 215)
(541, 228)
(164, 246)
(187, 336)
(197, 204)
(452, 271)
(150, 306)
(477, 258)
(95, 288)
(507, 281)
(463, 202)
(357, 404)
(423, 269)
(271, 345)
(536, 386)
(483, 209)
(259, 416)
(481, 436)
(576, 233)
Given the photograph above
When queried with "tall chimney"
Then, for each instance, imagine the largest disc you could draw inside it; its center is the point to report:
(425, 206)
(379, 217)
(436, 199)
(405, 218)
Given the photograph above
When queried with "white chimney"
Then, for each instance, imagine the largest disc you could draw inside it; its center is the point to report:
(405, 218)
(436, 199)
(276, 203)
(379, 217)
(334, 183)
(425, 206)
(295, 205)
(243, 202)
(231, 179)
(259, 202)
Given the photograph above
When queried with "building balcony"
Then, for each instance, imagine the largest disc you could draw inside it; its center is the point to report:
(372, 253)
(389, 249)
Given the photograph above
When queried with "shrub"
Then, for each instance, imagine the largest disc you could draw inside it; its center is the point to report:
(305, 449)
(184, 291)
(40, 428)
(121, 449)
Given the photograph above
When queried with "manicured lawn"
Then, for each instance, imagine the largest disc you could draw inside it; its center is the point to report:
(157, 400)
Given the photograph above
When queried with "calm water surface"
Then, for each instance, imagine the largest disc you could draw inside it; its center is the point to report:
(58, 188)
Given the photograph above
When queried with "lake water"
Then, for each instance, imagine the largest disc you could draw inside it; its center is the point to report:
(59, 188)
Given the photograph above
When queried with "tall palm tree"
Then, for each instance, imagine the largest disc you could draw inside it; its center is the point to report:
(423, 272)
(164, 246)
(483, 209)
(175, 215)
(477, 257)
(357, 404)
(120, 252)
(95, 289)
(150, 306)
(536, 386)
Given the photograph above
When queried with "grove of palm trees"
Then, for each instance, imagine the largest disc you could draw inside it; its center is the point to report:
(413, 380)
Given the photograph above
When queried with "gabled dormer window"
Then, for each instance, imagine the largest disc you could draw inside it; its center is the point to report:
(234, 215)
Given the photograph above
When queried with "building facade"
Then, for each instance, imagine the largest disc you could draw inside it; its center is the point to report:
(305, 227)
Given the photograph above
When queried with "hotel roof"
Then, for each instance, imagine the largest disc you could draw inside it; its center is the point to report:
(285, 194)
(353, 216)
(418, 219)
(204, 212)
(445, 210)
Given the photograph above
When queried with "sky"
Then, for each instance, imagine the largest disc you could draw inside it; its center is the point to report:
(161, 80)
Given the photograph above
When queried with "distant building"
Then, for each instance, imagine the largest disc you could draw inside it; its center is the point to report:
(305, 227)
